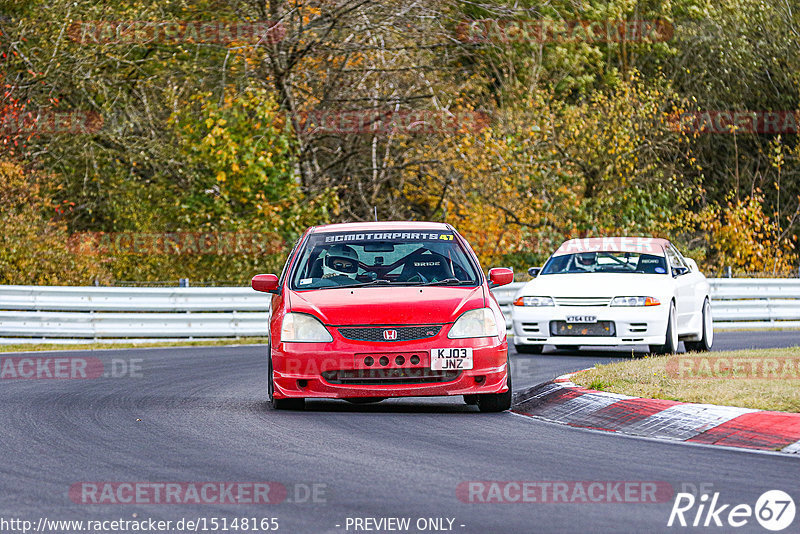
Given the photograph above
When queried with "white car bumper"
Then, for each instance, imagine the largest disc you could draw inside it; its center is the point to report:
(547, 325)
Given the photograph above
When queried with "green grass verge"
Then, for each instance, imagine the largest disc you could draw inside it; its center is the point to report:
(25, 347)
(763, 379)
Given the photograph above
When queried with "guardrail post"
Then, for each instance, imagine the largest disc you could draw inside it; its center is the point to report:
(770, 311)
(94, 325)
(728, 272)
(235, 324)
(183, 282)
(189, 312)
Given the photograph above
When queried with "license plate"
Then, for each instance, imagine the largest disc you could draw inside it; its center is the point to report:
(451, 359)
(581, 318)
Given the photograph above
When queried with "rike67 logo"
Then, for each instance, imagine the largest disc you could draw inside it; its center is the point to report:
(774, 510)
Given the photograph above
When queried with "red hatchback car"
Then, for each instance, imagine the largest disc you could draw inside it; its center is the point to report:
(368, 311)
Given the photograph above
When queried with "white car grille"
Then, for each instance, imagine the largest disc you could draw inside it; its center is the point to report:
(582, 301)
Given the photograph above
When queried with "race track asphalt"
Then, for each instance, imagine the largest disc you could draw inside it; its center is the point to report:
(199, 414)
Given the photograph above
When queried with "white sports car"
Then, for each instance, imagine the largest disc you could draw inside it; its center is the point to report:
(614, 291)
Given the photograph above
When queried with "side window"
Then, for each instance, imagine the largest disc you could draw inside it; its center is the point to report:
(682, 258)
(675, 259)
(472, 257)
(678, 255)
(289, 259)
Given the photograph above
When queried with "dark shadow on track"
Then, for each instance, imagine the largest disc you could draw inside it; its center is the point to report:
(422, 405)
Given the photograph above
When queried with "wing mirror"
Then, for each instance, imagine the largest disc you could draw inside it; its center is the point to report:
(679, 271)
(267, 283)
(500, 276)
(534, 271)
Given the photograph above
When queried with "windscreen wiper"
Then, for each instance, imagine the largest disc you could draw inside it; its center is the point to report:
(448, 282)
(377, 281)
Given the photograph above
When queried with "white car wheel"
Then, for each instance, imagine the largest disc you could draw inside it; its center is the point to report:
(707, 336)
(670, 345)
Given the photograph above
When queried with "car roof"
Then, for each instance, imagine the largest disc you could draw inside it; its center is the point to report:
(382, 225)
(647, 245)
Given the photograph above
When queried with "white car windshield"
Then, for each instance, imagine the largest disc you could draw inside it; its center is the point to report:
(606, 262)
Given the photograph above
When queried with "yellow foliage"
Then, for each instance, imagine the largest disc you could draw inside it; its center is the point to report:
(742, 236)
(34, 248)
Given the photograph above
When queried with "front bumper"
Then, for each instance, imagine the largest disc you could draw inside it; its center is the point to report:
(646, 325)
(305, 369)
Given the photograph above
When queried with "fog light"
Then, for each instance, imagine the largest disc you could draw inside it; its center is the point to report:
(415, 359)
(302, 383)
(399, 360)
(384, 360)
(479, 379)
(368, 361)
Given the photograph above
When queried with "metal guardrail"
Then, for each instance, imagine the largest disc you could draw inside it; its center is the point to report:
(37, 313)
(130, 312)
(755, 303)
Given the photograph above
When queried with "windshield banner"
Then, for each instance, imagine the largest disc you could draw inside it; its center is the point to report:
(642, 245)
(382, 236)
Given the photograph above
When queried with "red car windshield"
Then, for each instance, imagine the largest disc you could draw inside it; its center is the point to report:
(347, 259)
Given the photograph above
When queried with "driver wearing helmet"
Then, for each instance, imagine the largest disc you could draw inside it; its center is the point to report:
(340, 264)
(585, 261)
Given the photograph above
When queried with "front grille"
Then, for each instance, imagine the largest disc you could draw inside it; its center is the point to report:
(600, 328)
(404, 333)
(387, 376)
(638, 328)
(582, 301)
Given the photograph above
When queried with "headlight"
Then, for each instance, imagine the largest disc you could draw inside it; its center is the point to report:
(534, 301)
(303, 328)
(635, 301)
(474, 323)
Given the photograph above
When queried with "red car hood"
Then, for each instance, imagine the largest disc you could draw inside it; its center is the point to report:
(387, 305)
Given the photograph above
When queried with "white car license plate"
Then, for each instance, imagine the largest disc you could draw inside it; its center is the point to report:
(581, 318)
(451, 359)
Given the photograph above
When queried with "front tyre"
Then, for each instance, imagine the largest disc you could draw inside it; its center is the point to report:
(471, 400)
(707, 337)
(280, 404)
(496, 402)
(670, 345)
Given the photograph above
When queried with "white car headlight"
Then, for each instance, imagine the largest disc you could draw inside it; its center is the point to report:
(303, 328)
(635, 301)
(474, 323)
(534, 301)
